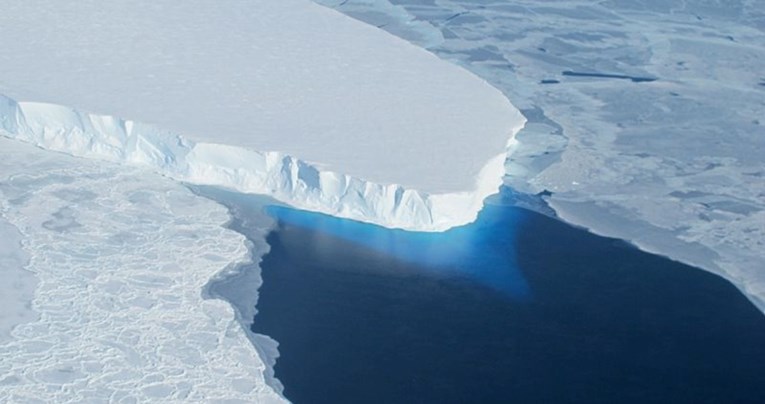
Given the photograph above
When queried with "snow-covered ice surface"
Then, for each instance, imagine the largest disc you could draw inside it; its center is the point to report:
(366, 113)
(122, 257)
(238, 285)
(646, 118)
(17, 285)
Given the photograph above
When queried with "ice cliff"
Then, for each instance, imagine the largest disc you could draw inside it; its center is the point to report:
(284, 177)
(286, 98)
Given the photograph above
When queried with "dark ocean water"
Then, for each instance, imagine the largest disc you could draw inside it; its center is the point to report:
(517, 307)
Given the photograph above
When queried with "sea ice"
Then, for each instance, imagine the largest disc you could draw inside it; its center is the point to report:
(121, 257)
(16, 284)
(646, 119)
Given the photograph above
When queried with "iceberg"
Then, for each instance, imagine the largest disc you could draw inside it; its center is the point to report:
(261, 97)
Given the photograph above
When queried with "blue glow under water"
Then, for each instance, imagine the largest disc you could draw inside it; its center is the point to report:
(460, 252)
(517, 307)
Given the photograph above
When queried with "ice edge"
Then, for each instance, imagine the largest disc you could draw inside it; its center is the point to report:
(281, 176)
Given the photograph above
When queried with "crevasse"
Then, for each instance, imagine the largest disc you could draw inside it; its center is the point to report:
(281, 176)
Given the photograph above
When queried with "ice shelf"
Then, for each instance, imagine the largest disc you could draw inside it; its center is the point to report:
(361, 124)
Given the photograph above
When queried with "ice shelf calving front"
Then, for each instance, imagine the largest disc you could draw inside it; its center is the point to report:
(283, 97)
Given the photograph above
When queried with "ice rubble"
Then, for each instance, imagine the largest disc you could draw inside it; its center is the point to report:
(121, 257)
(282, 97)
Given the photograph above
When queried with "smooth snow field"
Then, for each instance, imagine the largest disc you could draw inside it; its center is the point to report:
(120, 258)
(646, 119)
(373, 127)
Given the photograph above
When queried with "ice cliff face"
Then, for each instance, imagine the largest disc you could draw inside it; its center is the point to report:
(286, 178)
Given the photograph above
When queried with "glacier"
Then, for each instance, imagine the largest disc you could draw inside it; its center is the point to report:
(259, 97)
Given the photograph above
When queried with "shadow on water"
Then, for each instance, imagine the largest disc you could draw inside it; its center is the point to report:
(517, 307)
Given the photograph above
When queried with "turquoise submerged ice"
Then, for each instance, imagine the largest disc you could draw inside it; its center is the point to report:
(646, 119)
(462, 252)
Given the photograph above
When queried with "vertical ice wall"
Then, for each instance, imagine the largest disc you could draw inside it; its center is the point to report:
(281, 176)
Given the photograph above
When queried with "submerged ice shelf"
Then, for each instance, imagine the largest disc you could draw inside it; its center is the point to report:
(261, 97)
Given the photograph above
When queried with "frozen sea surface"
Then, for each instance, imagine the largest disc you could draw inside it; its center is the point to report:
(121, 258)
(17, 285)
(646, 119)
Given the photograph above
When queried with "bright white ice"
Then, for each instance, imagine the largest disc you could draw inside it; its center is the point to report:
(284, 76)
(121, 257)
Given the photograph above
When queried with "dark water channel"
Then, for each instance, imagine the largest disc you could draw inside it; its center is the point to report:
(516, 307)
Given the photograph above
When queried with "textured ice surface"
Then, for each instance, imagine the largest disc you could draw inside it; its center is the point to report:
(122, 257)
(284, 76)
(646, 119)
(17, 285)
(239, 284)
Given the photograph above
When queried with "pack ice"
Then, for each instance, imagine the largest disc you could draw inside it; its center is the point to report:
(103, 272)
(285, 98)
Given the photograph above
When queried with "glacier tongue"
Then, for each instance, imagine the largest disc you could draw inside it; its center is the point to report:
(366, 125)
(284, 177)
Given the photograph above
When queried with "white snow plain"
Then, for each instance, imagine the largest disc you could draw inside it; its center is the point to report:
(372, 127)
(121, 257)
(675, 165)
